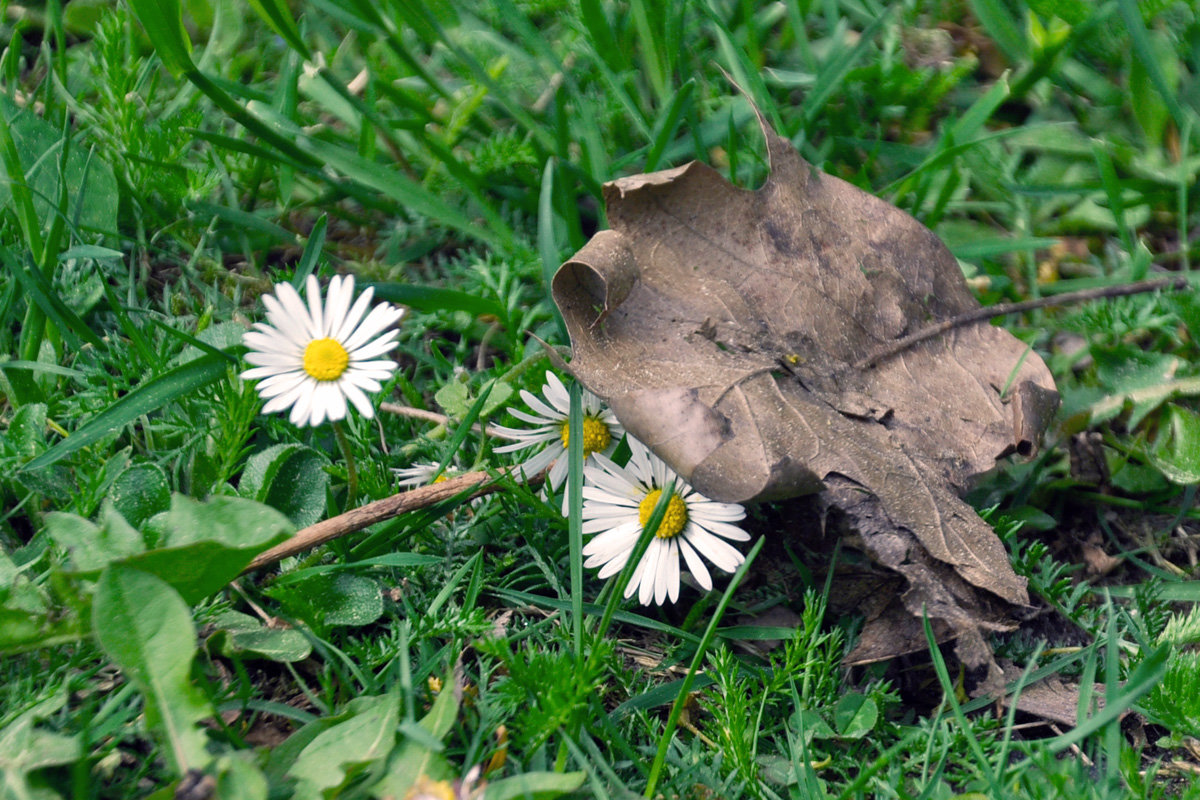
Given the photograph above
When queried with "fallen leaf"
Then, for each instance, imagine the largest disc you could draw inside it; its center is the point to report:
(724, 328)
(1051, 698)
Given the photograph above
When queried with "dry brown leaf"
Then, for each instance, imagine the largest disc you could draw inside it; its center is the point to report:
(722, 327)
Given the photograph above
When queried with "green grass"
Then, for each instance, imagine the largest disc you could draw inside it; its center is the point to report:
(165, 165)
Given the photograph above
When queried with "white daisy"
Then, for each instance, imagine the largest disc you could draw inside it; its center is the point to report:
(601, 431)
(618, 501)
(421, 475)
(313, 359)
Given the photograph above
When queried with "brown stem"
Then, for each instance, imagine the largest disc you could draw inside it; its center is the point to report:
(364, 516)
(437, 419)
(1001, 309)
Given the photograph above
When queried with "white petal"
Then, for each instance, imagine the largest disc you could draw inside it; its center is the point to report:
(381, 317)
(549, 414)
(359, 398)
(718, 551)
(650, 576)
(695, 564)
(341, 289)
(333, 400)
(286, 312)
(302, 410)
(376, 348)
(285, 400)
(673, 577)
(354, 315)
(275, 360)
(313, 291)
(557, 394)
(608, 544)
(549, 424)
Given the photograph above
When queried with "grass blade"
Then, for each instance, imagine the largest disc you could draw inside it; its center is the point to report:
(150, 396)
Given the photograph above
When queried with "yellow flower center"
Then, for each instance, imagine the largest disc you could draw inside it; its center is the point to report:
(673, 522)
(596, 436)
(441, 478)
(325, 359)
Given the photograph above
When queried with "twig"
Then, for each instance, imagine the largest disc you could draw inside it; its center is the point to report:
(1002, 309)
(364, 516)
(438, 419)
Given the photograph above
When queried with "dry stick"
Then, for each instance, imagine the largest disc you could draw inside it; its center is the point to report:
(364, 516)
(437, 419)
(1002, 309)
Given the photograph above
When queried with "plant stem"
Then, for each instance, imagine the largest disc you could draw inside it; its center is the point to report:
(351, 468)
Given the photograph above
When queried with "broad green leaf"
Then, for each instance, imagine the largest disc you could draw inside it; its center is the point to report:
(146, 628)
(330, 599)
(140, 492)
(1177, 448)
(26, 434)
(855, 716)
(92, 194)
(238, 776)
(282, 757)
(150, 396)
(201, 547)
(414, 758)
(534, 786)
(456, 399)
(809, 725)
(242, 636)
(25, 748)
(93, 547)
(290, 478)
(343, 751)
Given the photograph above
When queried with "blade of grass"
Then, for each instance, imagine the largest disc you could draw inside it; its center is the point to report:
(150, 396)
(312, 252)
(1000, 25)
(1140, 39)
(278, 16)
(44, 296)
(949, 696)
(549, 247)
(668, 124)
(575, 515)
(410, 194)
(685, 689)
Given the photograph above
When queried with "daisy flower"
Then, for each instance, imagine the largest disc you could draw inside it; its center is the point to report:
(601, 431)
(314, 358)
(421, 475)
(617, 503)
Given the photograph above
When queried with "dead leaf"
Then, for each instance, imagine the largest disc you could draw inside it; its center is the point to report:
(722, 325)
(1051, 698)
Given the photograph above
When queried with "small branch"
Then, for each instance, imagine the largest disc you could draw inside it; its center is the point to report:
(364, 516)
(438, 419)
(1002, 309)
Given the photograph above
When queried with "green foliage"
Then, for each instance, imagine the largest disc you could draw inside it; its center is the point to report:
(166, 163)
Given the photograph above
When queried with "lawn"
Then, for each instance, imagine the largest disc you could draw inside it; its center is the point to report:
(289, 369)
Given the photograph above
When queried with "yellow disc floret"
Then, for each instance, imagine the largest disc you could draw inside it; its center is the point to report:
(596, 436)
(673, 522)
(325, 359)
